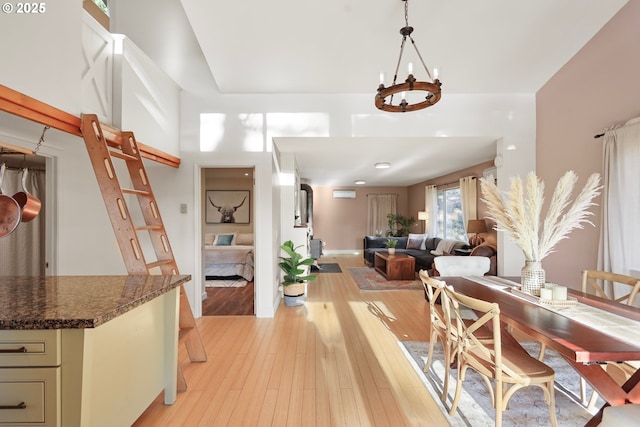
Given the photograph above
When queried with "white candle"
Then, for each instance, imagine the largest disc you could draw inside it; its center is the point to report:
(410, 67)
(403, 95)
(381, 78)
(546, 293)
(549, 285)
(560, 293)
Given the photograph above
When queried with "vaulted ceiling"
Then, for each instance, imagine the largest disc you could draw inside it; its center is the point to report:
(341, 46)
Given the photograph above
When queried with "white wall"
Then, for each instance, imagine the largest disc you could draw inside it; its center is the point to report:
(85, 240)
(41, 53)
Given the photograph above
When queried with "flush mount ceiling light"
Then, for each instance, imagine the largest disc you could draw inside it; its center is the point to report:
(385, 95)
(382, 165)
(360, 182)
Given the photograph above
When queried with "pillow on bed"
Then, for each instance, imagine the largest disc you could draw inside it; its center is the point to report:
(244, 239)
(224, 239)
(209, 238)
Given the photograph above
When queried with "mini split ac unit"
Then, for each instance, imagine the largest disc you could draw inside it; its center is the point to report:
(344, 194)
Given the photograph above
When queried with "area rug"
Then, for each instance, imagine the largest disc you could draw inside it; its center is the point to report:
(526, 406)
(225, 282)
(328, 267)
(368, 279)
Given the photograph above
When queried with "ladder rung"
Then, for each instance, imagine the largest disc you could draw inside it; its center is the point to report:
(159, 263)
(149, 227)
(122, 156)
(137, 192)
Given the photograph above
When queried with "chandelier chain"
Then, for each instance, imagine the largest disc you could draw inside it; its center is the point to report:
(406, 12)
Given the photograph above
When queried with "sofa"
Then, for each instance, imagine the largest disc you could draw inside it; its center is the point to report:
(423, 248)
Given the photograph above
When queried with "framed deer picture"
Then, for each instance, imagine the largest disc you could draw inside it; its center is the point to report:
(227, 207)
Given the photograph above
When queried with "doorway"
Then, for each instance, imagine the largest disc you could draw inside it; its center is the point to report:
(227, 228)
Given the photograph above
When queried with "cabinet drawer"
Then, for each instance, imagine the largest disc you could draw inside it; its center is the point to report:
(29, 396)
(30, 348)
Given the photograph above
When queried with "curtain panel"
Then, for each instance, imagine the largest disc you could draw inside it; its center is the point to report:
(468, 199)
(620, 229)
(24, 247)
(431, 207)
(378, 207)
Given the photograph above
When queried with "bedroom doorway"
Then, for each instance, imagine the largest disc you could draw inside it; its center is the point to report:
(228, 242)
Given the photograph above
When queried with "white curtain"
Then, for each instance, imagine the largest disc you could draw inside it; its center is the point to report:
(620, 229)
(378, 207)
(22, 252)
(431, 207)
(468, 199)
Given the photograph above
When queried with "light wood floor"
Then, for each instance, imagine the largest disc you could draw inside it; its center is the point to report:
(333, 362)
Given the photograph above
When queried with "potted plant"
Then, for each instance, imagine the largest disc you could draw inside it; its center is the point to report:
(391, 245)
(294, 267)
(399, 225)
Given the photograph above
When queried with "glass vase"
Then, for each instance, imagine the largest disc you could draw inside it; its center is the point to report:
(532, 277)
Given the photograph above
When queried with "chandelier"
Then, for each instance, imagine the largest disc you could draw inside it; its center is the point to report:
(385, 95)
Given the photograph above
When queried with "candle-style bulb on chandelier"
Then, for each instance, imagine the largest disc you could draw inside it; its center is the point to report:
(385, 96)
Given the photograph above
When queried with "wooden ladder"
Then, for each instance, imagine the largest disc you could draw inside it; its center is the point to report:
(105, 143)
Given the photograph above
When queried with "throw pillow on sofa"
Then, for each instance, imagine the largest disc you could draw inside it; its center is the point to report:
(416, 241)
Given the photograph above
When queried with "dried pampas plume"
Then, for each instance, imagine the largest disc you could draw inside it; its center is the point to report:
(518, 212)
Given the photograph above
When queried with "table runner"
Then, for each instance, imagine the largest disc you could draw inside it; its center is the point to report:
(616, 326)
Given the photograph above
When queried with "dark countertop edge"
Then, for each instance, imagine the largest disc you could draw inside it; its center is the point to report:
(39, 324)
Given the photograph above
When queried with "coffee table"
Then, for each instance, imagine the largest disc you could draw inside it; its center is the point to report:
(396, 266)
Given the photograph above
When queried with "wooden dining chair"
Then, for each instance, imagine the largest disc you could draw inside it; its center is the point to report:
(462, 265)
(440, 328)
(598, 282)
(440, 319)
(505, 368)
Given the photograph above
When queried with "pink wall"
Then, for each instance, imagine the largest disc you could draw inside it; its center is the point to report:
(342, 223)
(598, 87)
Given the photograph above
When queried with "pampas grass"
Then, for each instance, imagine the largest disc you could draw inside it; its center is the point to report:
(518, 213)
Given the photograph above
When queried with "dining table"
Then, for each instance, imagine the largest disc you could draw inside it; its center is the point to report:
(611, 332)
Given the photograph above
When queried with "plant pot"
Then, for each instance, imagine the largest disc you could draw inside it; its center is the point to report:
(391, 251)
(294, 301)
(294, 295)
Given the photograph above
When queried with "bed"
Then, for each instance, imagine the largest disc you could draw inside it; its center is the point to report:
(228, 255)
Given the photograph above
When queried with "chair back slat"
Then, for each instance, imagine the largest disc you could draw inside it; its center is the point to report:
(600, 281)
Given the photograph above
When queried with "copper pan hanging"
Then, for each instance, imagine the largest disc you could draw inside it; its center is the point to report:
(29, 204)
(9, 210)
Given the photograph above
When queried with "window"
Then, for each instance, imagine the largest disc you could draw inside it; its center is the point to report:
(450, 223)
(99, 9)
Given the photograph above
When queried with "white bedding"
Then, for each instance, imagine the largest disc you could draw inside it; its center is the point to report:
(234, 260)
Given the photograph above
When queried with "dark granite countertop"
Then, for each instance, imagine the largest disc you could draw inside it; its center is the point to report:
(76, 302)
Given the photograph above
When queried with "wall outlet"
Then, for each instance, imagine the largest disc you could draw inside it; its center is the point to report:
(183, 208)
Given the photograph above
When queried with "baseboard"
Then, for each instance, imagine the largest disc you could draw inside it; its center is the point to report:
(341, 252)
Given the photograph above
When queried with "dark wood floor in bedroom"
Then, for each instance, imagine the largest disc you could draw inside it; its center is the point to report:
(229, 301)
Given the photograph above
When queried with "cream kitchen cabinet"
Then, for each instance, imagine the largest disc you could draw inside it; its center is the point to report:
(30, 378)
(86, 351)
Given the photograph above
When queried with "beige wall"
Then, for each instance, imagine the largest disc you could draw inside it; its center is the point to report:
(598, 87)
(342, 223)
